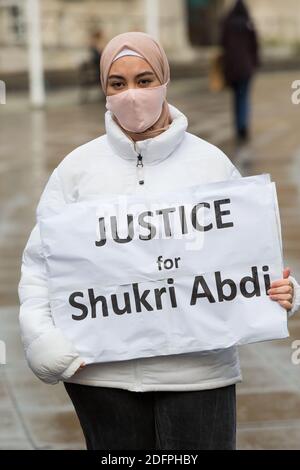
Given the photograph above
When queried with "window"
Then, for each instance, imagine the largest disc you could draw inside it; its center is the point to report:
(203, 21)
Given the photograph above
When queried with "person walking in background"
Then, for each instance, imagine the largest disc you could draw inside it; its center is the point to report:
(89, 70)
(95, 48)
(240, 61)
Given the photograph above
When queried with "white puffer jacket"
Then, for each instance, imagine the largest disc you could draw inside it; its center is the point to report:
(107, 165)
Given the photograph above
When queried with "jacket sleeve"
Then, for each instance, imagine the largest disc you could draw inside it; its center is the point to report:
(234, 174)
(296, 297)
(49, 354)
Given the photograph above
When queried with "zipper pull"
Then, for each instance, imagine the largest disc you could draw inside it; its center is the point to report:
(139, 166)
(139, 160)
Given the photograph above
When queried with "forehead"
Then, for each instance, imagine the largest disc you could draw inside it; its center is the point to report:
(130, 65)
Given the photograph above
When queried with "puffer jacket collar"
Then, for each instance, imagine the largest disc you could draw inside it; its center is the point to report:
(152, 150)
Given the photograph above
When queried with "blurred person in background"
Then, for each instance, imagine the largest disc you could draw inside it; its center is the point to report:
(89, 70)
(181, 401)
(240, 61)
(95, 49)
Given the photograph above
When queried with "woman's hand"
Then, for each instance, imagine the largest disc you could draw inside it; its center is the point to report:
(81, 367)
(282, 290)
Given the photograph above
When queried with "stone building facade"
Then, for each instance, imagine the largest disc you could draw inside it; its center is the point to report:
(186, 27)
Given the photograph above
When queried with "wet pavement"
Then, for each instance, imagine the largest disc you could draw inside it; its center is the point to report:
(37, 416)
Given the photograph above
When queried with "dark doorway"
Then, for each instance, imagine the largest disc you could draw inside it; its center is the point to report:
(203, 21)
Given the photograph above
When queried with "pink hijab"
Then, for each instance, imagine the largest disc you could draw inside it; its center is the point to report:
(156, 57)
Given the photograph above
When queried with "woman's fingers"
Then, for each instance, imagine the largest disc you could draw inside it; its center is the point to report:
(285, 289)
(288, 297)
(286, 273)
(280, 282)
(285, 304)
(81, 366)
(282, 290)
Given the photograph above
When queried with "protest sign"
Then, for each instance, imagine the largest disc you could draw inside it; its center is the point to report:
(148, 275)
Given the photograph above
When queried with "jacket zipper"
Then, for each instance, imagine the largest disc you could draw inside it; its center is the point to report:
(140, 175)
(140, 169)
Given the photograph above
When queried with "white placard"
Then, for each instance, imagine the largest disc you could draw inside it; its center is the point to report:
(150, 275)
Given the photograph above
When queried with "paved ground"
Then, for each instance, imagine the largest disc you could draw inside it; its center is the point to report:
(34, 415)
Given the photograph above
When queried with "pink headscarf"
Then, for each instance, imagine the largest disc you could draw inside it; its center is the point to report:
(154, 54)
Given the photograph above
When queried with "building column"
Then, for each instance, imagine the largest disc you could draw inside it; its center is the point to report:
(152, 17)
(35, 55)
(174, 31)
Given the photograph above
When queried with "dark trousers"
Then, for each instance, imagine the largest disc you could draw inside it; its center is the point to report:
(118, 419)
(241, 106)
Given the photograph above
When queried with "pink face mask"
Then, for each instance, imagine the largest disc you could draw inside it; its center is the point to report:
(137, 109)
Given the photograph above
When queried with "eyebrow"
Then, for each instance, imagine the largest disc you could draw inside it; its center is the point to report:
(142, 74)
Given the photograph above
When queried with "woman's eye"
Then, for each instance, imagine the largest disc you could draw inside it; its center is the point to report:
(117, 85)
(145, 82)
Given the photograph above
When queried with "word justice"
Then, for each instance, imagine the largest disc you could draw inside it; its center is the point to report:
(151, 221)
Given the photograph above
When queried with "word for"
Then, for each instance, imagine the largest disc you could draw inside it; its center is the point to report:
(168, 263)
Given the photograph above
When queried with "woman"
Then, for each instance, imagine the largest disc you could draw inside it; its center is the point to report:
(240, 60)
(145, 149)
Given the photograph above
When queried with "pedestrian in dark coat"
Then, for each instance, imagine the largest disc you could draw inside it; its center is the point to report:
(240, 61)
